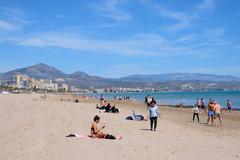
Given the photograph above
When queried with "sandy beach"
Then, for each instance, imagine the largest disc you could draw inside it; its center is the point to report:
(33, 128)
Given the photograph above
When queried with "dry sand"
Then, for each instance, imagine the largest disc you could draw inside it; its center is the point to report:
(33, 128)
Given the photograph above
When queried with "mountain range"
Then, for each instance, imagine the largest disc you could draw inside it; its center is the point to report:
(174, 81)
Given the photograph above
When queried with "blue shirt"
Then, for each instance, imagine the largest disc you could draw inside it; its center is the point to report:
(153, 111)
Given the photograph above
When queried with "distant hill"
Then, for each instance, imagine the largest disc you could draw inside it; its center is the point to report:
(169, 81)
(38, 71)
(181, 77)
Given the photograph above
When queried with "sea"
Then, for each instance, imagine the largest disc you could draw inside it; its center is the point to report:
(175, 98)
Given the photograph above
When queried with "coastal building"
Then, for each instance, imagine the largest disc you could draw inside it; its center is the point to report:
(45, 84)
(64, 87)
(25, 82)
(74, 89)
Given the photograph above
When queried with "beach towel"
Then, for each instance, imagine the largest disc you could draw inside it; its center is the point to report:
(84, 136)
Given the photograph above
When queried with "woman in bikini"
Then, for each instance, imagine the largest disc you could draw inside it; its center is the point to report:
(97, 132)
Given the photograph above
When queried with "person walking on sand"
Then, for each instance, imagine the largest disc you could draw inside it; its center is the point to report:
(210, 112)
(229, 105)
(153, 115)
(217, 112)
(195, 113)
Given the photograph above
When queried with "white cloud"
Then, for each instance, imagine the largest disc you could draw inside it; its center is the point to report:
(6, 26)
(32, 42)
(215, 33)
(12, 20)
(132, 45)
(185, 38)
(206, 5)
(183, 20)
(215, 37)
(154, 44)
(112, 9)
(60, 16)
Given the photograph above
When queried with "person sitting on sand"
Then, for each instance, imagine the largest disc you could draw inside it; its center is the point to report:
(108, 107)
(210, 112)
(195, 113)
(153, 114)
(97, 132)
(114, 109)
(102, 105)
(217, 112)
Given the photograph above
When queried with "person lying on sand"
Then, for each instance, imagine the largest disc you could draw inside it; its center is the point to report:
(97, 132)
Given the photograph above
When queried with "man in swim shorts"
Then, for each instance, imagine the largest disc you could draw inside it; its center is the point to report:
(217, 112)
(210, 112)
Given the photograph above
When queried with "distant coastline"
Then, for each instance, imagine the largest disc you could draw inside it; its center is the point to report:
(174, 99)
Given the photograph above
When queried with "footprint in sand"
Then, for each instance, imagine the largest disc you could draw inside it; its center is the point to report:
(173, 152)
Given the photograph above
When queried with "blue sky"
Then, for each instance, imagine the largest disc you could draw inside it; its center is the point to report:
(114, 38)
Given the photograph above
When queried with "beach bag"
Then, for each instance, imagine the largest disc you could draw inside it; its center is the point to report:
(139, 117)
(108, 136)
(129, 118)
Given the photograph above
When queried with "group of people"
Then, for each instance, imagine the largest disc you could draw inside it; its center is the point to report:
(108, 108)
(200, 103)
(105, 106)
(214, 112)
(122, 98)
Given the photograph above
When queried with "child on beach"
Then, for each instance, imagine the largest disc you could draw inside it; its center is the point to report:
(153, 114)
(195, 113)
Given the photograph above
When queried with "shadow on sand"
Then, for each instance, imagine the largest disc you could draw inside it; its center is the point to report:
(144, 129)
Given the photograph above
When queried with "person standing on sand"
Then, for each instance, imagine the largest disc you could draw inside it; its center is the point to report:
(198, 103)
(153, 115)
(210, 112)
(148, 101)
(217, 112)
(202, 103)
(229, 105)
(195, 113)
